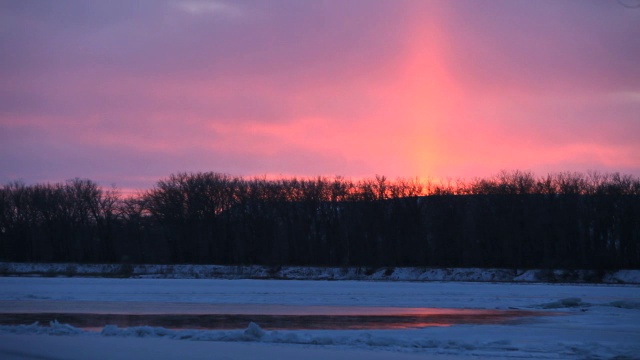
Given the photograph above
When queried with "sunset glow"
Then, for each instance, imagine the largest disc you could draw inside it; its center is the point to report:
(129, 92)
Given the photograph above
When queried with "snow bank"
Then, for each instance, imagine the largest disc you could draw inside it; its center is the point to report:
(319, 273)
(54, 328)
(623, 277)
(399, 341)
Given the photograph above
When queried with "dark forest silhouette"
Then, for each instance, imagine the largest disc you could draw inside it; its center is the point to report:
(563, 220)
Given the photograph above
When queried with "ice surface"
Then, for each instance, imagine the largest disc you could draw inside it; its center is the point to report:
(45, 347)
(600, 321)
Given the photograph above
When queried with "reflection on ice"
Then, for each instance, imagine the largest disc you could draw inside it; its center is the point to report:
(203, 316)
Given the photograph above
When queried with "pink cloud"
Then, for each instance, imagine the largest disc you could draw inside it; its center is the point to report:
(440, 89)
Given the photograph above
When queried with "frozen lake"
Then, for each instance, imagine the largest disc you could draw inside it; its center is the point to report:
(490, 320)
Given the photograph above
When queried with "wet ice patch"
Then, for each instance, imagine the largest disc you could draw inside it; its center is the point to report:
(571, 302)
(36, 297)
(626, 304)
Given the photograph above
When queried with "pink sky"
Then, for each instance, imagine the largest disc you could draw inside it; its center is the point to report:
(129, 92)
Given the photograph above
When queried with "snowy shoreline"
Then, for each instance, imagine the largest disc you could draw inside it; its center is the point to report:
(319, 273)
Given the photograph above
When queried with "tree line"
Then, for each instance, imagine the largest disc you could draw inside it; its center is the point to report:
(513, 219)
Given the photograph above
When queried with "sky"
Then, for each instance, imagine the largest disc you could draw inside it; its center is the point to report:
(128, 92)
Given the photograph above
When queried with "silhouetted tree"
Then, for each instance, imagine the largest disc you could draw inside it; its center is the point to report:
(512, 219)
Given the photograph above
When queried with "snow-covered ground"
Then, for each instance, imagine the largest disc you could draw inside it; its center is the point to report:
(597, 321)
(319, 273)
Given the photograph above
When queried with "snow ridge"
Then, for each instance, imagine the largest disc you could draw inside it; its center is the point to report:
(357, 339)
